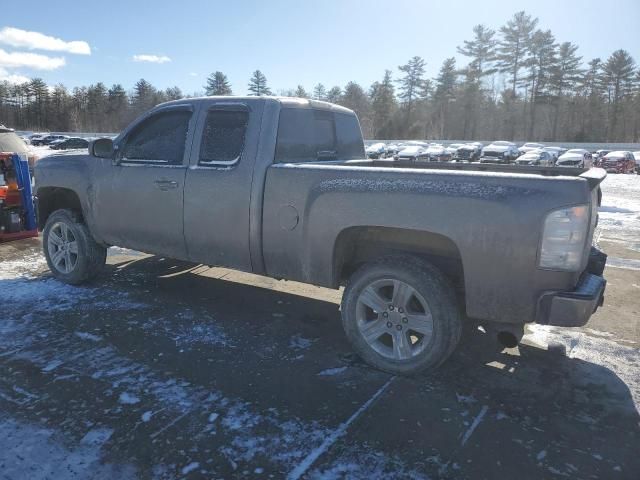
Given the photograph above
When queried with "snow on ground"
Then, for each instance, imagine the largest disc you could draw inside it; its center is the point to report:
(620, 212)
(623, 360)
(38, 451)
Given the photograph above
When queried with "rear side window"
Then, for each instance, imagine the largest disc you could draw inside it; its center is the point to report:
(350, 144)
(308, 135)
(223, 137)
(158, 139)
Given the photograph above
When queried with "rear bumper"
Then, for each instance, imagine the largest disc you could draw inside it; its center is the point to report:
(574, 308)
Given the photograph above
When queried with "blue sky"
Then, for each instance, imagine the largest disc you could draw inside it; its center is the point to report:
(292, 42)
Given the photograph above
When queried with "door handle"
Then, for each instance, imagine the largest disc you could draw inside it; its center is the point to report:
(166, 184)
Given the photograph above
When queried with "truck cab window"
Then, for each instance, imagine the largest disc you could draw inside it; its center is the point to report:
(158, 139)
(223, 137)
(305, 135)
(350, 144)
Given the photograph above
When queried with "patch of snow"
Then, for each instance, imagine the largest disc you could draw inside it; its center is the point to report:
(601, 352)
(466, 399)
(298, 342)
(146, 416)
(128, 399)
(36, 453)
(52, 365)
(213, 417)
(541, 455)
(332, 371)
(88, 336)
(190, 468)
(97, 436)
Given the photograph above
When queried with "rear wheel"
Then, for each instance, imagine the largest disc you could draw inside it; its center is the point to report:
(72, 254)
(401, 315)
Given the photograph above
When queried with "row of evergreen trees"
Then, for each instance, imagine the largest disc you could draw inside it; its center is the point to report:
(519, 83)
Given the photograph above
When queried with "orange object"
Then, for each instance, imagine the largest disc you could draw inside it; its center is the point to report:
(3, 192)
(12, 197)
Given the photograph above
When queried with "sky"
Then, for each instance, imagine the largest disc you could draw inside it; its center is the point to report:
(172, 43)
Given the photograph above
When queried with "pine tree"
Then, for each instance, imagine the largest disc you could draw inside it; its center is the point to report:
(319, 92)
(38, 92)
(512, 47)
(564, 78)
(334, 95)
(173, 93)
(383, 106)
(301, 92)
(218, 84)
(144, 96)
(355, 98)
(117, 108)
(411, 84)
(540, 64)
(258, 84)
(619, 71)
(444, 94)
(481, 50)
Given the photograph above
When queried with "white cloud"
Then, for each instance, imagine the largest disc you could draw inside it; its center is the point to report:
(151, 58)
(30, 60)
(12, 78)
(39, 41)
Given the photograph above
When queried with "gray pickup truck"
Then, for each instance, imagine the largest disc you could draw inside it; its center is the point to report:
(281, 187)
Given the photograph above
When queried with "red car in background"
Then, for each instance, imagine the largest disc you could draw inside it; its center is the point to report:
(618, 162)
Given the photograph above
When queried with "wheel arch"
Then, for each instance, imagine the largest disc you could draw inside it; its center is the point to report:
(355, 246)
(51, 199)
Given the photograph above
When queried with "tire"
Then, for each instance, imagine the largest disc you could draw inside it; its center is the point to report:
(90, 257)
(384, 336)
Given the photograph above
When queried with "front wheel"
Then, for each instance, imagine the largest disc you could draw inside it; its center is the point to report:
(72, 254)
(401, 315)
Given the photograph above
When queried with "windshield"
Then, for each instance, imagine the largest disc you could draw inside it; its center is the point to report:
(10, 142)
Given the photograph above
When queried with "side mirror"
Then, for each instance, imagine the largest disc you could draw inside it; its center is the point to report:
(101, 148)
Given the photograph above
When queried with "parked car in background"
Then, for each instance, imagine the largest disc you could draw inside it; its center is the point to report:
(576, 157)
(47, 140)
(499, 152)
(536, 157)
(376, 150)
(437, 153)
(619, 162)
(413, 153)
(69, 143)
(527, 147)
(469, 152)
(599, 154)
(453, 148)
(391, 149)
(555, 152)
(36, 136)
(11, 143)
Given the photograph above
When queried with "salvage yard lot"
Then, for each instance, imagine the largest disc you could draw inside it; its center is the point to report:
(163, 369)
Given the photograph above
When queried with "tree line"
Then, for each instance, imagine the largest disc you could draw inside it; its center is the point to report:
(519, 83)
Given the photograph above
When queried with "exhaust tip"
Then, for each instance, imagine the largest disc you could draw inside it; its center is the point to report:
(508, 339)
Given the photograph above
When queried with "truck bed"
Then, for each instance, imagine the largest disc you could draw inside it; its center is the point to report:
(593, 175)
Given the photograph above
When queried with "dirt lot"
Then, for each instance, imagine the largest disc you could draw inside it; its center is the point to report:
(163, 369)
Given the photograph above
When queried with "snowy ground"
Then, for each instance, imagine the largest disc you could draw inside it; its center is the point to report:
(168, 370)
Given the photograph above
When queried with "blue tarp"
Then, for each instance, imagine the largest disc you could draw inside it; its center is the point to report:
(21, 166)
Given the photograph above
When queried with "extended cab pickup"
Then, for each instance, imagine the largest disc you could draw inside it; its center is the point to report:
(281, 187)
